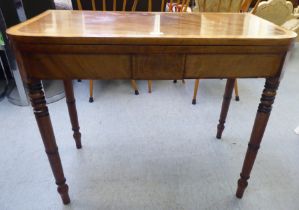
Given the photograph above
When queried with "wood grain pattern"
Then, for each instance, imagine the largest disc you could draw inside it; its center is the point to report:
(83, 27)
(158, 66)
(87, 66)
(151, 66)
(107, 45)
(261, 65)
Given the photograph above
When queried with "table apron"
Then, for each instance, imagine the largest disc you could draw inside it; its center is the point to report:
(155, 66)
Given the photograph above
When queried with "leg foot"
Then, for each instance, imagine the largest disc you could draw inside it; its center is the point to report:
(220, 128)
(242, 184)
(237, 98)
(90, 99)
(136, 92)
(77, 137)
(174, 81)
(63, 191)
(193, 101)
(225, 106)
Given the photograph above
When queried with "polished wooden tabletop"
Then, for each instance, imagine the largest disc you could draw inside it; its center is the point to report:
(69, 45)
(92, 27)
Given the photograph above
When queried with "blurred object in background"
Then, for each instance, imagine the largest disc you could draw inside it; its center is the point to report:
(11, 75)
(63, 4)
(4, 71)
(34, 7)
(295, 2)
(14, 12)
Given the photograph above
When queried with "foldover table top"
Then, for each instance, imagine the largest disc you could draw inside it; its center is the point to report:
(89, 27)
(69, 45)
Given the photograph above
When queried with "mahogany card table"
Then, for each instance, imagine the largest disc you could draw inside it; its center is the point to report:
(68, 45)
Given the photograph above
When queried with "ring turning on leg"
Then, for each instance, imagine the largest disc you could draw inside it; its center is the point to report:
(40, 109)
(260, 123)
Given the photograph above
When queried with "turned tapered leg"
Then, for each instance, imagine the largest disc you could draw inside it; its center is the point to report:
(43, 120)
(237, 91)
(90, 91)
(134, 86)
(149, 83)
(71, 105)
(225, 106)
(260, 123)
(195, 91)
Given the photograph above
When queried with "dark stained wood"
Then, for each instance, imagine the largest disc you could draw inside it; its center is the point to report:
(225, 106)
(38, 102)
(260, 123)
(71, 105)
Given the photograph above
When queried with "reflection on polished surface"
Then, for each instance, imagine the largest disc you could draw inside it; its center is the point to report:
(157, 24)
(84, 24)
(116, 45)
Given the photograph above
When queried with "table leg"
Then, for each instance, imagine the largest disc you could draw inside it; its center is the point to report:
(149, 83)
(237, 98)
(196, 85)
(260, 123)
(225, 106)
(43, 120)
(71, 105)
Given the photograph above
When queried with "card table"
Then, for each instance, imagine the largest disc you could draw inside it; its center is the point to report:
(68, 45)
